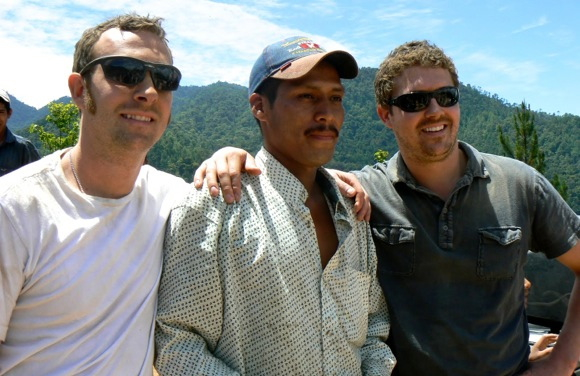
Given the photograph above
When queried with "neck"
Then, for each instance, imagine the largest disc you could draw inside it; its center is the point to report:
(308, 179)
(3, 132)
(442, 176)
(100, 177)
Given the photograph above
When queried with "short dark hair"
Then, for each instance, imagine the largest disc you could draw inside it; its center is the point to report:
(269, 89)
(127, 22)
(6, 104)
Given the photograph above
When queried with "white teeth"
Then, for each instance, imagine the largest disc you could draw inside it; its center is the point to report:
(140, 118)
(434, 129)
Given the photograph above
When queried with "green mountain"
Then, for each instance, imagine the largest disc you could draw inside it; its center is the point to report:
(210, 117)
(23, 115)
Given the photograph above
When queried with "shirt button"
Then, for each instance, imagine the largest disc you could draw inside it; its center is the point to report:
(445, 228)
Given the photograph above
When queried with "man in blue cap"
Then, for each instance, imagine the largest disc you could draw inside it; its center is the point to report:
(15, 151)
(452, 228)
(285, 281)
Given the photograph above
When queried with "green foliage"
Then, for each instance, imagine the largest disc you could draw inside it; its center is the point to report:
(65, 118)
(204, 120)
(363, 133)
(210, 117)
(561, 187)
(526, 147)
(381, 156)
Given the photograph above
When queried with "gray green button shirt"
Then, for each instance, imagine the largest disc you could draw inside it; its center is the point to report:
(453, 271)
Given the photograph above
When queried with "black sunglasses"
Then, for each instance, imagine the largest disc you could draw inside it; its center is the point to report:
(129, 71)
(417, 101)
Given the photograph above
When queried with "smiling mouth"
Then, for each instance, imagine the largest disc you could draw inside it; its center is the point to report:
(434, 129)
(137, 117)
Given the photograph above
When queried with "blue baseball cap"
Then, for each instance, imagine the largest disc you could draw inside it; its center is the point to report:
(294, 57)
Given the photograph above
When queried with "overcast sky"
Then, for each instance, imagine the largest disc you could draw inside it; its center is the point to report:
(518, 50)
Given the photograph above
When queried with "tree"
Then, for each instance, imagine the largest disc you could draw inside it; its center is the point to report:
(65, 117)
(560, 186)
(526, 147)
(381, 155)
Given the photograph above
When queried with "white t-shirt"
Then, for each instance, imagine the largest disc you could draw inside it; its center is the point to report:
(79, 274)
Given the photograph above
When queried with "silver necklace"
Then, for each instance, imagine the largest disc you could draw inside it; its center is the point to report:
(72, 167)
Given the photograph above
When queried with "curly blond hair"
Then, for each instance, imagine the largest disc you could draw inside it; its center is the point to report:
(411, 54)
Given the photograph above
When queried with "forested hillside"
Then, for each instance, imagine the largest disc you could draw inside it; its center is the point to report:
(207, 118)
(217, 115)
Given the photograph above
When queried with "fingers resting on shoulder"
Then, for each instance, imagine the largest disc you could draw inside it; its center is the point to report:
(350, 186)
(223, 170)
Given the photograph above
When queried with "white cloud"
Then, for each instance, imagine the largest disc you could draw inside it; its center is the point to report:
(540, 22)
(36, 75)
(219, 40)
(504, 71)
(510, 79)
(211, 41)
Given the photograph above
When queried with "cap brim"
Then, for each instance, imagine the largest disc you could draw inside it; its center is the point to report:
(344, 63)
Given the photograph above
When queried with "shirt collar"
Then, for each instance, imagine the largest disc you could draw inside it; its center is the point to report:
(399, 173)
(291, 188)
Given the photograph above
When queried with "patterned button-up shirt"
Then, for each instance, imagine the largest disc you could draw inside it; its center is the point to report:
(243, 291)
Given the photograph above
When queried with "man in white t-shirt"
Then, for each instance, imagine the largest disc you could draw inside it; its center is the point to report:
(82, 229)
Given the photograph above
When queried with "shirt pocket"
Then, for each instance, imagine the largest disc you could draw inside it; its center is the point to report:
(395, 246)
(499, 250)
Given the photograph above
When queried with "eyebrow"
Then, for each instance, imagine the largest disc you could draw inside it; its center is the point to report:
(336, 88)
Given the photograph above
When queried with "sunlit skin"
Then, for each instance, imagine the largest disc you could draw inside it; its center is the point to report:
(427, 139)
(128, 118)
(300, 129)
(302, 126)
(4, 116)
(119, 124)
(429, 135)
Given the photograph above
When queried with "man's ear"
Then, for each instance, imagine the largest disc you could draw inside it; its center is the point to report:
(76, 85)
(384, 115)
(9, 113)
(257, 104)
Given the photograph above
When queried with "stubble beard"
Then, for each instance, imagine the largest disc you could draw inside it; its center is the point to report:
(425, 152)
(124, 139)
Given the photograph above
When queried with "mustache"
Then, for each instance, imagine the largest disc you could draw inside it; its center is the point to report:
(322, 128)
(442, 118)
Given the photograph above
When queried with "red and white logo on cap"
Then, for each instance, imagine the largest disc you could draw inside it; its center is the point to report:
(310, 45)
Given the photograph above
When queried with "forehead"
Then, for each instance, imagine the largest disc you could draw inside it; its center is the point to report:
(323, 74)
(139, 44)
(422, 78)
